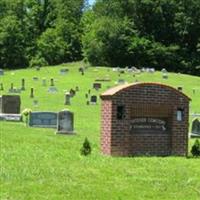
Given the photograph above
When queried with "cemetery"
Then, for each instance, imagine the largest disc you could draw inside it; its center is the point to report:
(138, 125)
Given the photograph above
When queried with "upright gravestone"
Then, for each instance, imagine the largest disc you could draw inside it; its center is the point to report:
(10, 104)
(93, 99)
(35, 78)
(32, 93)
(72, 92)
(23, 84)
(52, 82)
(67, 98)
(1, 87)
(96, 86)
(44, 82)
(65, 122)
(196, 127)
(52, 88)
(64, 71)
(77, 88)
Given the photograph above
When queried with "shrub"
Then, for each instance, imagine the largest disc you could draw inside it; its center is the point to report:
(86, 148)
(196, 148)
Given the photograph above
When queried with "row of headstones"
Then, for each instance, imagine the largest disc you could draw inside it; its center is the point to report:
(63, 121)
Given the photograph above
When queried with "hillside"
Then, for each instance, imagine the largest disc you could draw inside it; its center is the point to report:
(37, 164)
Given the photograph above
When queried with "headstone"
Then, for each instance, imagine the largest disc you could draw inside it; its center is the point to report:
(77, 88)
(64, 71)
(196, 126)
(96, 86)
(93, 99)
(81, 69)
(13, 90)
(23, 84)
(67, 98)
(86, 95)
(65, 122)
(121, 81)
(10, 117)
(1, 72)
(52, 82)
(52, 89)
(165, 76)
(32, 93)
(43, 119)
(1, 87)
(35, 103)
(35, 78)
(10, 104)
(180, 89)
(72, 92)
(89, 91)
(37, 68)
(44, 82)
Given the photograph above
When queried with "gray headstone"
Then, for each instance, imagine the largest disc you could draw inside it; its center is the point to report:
(10, 104)
(43, 119)
(52, 89)
(121, 81)
(64, 71)
(65, 122)
(35, 103)
(67, 98)
(196, 126)
(44, 82)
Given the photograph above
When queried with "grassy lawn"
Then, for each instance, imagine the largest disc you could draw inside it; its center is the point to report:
(37, 164)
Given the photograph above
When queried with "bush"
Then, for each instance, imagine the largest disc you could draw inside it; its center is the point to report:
(38, 61)
(86, 148)
(196, 148)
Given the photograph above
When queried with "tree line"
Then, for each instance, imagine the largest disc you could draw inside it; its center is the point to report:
(141, 33)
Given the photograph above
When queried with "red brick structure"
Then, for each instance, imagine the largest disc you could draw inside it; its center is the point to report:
(144, 119)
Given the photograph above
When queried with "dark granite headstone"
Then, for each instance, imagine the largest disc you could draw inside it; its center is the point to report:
(10, 104)
(93, 99)
(96, 86)
(32, 93)
(23, 84)
(72, 92)
(43, 119)
(65, 122)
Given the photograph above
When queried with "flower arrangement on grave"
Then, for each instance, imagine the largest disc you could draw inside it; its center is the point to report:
(26, 112)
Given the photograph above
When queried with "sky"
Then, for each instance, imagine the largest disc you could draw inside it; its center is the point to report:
(91, 2)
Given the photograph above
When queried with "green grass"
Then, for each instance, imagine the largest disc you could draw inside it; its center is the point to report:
(37, 164)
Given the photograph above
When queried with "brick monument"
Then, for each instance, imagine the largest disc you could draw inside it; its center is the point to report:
(144, 119)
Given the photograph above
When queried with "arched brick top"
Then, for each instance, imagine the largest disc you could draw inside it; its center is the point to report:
(113, 91)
